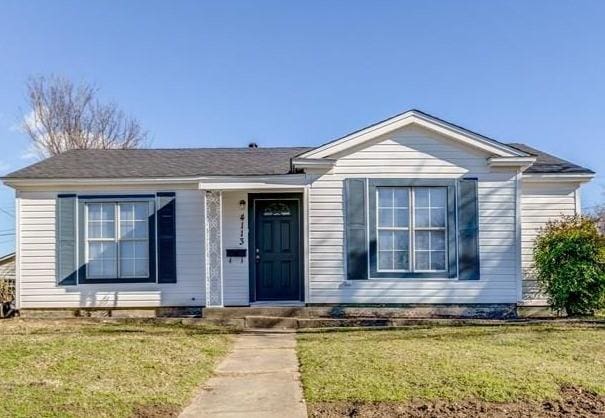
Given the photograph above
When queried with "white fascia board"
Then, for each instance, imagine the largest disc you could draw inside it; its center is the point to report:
(313, 163)
(408, 118)
(250, 186)
(556, 177)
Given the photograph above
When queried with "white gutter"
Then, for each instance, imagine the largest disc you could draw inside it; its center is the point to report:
(290, 181)
(521, 162)
(125, 181)
(558, 177)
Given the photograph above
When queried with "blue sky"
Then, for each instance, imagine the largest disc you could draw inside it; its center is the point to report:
(224, 73)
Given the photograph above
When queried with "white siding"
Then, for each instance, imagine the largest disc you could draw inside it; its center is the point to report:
(541, 202)
(414, 153)
(235, 273)
(37, 280)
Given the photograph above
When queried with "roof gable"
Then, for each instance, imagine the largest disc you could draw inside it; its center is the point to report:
(415, 117)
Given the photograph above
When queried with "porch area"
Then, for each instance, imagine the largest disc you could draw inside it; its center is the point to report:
(254, 246)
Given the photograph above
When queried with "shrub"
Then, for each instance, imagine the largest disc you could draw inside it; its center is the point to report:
(570, 265)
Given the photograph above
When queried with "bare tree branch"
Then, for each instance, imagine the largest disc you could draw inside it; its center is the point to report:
(64, 116)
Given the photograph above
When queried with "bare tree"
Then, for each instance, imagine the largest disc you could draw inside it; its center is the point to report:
(599, 214)
(64, 116)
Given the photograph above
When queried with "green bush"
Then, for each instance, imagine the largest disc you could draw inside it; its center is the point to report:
(570, 265)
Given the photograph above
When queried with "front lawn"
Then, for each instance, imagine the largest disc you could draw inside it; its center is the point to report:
(77, 368)
(484, 363)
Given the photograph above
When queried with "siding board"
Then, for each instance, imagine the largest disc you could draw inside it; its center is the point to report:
(540, 203)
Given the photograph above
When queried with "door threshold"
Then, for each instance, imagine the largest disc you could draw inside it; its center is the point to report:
(277, 303)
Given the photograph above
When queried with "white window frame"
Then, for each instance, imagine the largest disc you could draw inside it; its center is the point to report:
(411, 228)
(115, 240)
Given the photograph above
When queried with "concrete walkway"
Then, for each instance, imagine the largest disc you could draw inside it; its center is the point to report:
(259, 378)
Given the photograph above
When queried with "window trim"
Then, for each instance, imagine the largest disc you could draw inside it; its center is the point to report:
(451, 260)
(83, 277)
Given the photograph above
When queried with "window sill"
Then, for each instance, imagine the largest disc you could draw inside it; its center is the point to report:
(406, 279)
(118, 280)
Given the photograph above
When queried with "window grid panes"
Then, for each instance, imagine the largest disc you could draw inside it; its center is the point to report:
(117, 240)
(430, 218)
(133, 245)
(411, 229)
(393, 228)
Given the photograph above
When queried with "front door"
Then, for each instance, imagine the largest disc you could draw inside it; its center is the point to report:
(276, 251)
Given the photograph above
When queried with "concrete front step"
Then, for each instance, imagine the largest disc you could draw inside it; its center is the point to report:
(482, 311)
(242, 312)
(268, 322)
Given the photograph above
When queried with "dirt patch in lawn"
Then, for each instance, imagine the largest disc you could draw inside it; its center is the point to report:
(156, 411)
(574, 402)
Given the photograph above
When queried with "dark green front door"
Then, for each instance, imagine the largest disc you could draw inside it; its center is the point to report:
(277, 248)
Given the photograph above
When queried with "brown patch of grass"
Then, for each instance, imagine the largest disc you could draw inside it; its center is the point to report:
(156, 411)
(574, 402)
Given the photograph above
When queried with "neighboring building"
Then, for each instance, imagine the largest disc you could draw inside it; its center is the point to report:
(410, 210)
(7, 269)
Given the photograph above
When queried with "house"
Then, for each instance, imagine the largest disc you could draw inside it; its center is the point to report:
(410, 210)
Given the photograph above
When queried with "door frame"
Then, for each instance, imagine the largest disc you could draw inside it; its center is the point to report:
(252, 198)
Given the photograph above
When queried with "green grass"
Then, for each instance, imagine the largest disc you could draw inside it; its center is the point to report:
(490, 363)
(77, 368)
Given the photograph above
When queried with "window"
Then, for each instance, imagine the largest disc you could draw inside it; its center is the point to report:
(117, 240)
(427, 236)
(277, 209)
(410, 230)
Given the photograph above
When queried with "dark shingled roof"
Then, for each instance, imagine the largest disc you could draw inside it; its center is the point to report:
(145, 163)
(549, 164)
(192, 162)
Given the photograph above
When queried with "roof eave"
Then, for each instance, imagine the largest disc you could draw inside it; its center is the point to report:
(321, 163)
(18, 182)
(523, 163)
(126, 181)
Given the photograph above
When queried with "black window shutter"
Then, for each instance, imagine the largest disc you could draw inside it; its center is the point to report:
(356, 244)
(166, 243)
(468, 230)
(66, 240)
